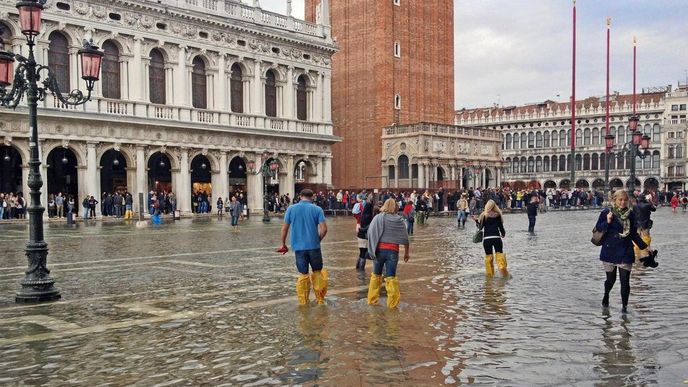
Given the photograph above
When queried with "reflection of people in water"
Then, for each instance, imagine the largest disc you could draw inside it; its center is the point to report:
(616, 363)
(306, 359)
(494, 297)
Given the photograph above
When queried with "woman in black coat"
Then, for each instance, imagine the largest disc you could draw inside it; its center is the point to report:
(361, 235)
(619, 226)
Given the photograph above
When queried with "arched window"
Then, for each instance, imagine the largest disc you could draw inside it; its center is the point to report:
(538, 164)
(516, 167)
(562, 163)
(545, 163)
(612, 131)
(517, 141)
(602, 161)
(524, 140)
(555, 161)
(579, 162)
(271, 95)
(586, 136)
(58, 60)
(586, 162)
(655, 133)
(301, 104)
(547, 140)
(579, 137)
(403, 165)
(622, 135)
(156, 77)
(507, 144)
(562, 138)
(531, 140)
(236, 87)
(538, 140)
(568, 138)
(679, 151)
(655, 160)
(523, 163)
(508, 164)
(531, 165)
(594, 165)
(390, 174)
(199, 89)
(595, 136)
(110, 77)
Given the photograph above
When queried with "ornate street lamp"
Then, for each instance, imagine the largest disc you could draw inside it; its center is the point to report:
(636, 147)
(37, 285)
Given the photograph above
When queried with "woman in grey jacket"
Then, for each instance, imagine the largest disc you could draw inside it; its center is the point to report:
(386, 232)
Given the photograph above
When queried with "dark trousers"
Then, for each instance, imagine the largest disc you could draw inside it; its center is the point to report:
(531, 223)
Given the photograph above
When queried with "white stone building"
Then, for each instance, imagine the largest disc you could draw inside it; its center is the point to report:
(674, 139)
(537, 141)
(192, 93)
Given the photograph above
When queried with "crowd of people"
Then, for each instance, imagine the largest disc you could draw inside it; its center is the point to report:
(12, 205)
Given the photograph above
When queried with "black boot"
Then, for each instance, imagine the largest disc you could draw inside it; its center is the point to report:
(625, 277)
(608, 285)
(361, 264)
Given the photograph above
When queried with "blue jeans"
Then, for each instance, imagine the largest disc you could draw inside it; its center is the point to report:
(308, 257)
(235, 220)
(409, 226)
(387, 258)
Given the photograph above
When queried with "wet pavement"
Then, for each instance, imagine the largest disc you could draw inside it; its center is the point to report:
(192, 303)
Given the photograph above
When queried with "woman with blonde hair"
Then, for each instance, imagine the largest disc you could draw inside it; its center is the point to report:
(619, 226)
(386, 232)
(490, 221)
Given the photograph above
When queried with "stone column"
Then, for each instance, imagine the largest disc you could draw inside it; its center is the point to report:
(421, 176)
(82, 179)
(327, 170)
(289, 179)
(483, 178)
(182, 90)
(289, 100)
(184, 183)
(224, 175)
(221, 87)
(254, 183)
(258, 89)
(137, 83)
(498, 179)
(461, 177)
(141, 178)
(92, 185)
(327, 97)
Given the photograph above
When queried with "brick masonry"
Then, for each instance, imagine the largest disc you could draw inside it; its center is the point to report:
(366, 76)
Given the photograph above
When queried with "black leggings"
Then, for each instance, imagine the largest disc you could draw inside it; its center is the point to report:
(489, 244)
(625, 277)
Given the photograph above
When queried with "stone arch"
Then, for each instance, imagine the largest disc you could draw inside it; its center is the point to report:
(214, 162)
(280, 76)
(80, 156)
(651, 183)
(11, 173)
(598, 184)
(174, 162)
(582, 183)
(21, 148)
(310, 81)
(72, 38)
(246, 71)
(117, 41)
(615, 183)
(564, 183)
(128, 156)
(549, 184)
(166, 56)
(12, 28)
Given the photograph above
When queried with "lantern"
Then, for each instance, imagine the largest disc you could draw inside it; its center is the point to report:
(203, 166)
(30, 17)
(162, 163)
(90, 58)
(645, 142)
(609, 141)
(64, 160)
(241, 167)
(637, 137)
(115, 162)
(633, 123)
(6, 67)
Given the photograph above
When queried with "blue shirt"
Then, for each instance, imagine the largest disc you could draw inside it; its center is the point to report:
(304, 218)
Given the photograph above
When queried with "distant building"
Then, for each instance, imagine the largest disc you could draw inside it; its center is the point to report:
(193, 94)
(674, 137)
(537, 141)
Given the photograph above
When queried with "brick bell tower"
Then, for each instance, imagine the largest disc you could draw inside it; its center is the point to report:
(395, 65)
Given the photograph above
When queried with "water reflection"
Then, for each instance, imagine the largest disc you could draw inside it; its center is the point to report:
(494, 297)
(306, 362)
(616, 361)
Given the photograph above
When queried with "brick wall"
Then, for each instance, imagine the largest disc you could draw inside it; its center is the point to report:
(366, 76)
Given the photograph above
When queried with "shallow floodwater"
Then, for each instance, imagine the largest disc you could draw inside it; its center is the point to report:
(192, 303)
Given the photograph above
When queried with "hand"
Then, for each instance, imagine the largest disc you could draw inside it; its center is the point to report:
(610, 216)
(407, 256)
(283, 249)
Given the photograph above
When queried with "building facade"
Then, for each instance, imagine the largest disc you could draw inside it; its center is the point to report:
(674, 139)
(395, 66)
(194, 95)
(537, 141)
(431, 156)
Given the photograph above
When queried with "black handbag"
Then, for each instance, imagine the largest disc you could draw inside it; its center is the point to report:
(597, 237)
(478, 236)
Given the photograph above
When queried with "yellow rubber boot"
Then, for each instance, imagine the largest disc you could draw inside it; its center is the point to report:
(319, 280)
(374, 289)
(501, 263)
(393, 295)
(489, 265)
(303, 288)
(643, 253)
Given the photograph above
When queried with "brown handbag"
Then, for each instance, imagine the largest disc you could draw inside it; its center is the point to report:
(597, 237)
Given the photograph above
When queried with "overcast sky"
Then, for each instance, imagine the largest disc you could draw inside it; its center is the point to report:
(514, 52)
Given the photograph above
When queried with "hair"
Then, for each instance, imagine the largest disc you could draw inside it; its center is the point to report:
(490, 206)
(390, 207)
(618, 194)
(306, 193)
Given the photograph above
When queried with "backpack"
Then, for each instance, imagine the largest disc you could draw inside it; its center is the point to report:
(85, 203)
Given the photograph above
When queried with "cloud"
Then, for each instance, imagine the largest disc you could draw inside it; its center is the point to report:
(281, 6)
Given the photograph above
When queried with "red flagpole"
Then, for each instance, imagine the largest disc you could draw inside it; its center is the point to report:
(634, 47)
(573, 104)
(609, 25)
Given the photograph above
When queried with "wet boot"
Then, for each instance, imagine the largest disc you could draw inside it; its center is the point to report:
(319, 280)
(392, 288)
(625, 279)
(608, 285)
(374, 289)
(501, 264)
(303, 288)
(361, 264)
(463, 223)
(489, 265)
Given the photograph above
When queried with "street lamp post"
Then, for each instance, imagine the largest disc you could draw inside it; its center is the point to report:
(637, 147)
(267, 170)
(37, 284)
